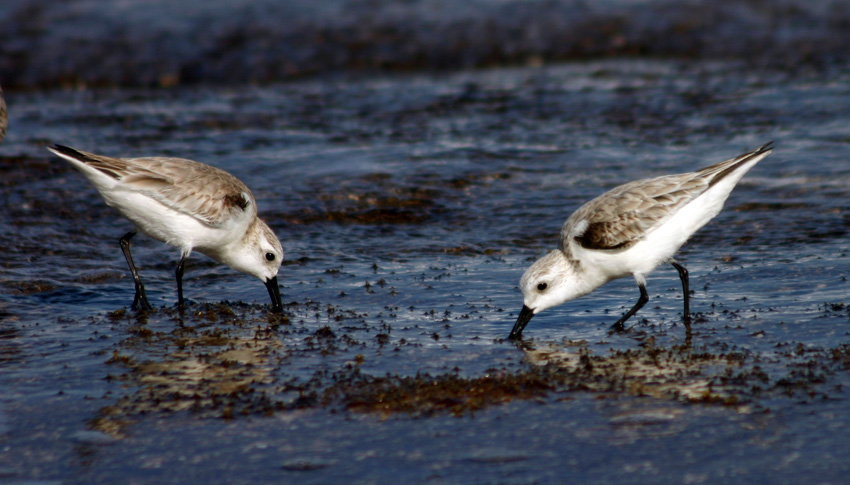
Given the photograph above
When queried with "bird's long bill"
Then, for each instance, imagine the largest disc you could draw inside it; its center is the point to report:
(274, 293)
(521, 321)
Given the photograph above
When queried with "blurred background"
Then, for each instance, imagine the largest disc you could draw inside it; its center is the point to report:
(144, 43)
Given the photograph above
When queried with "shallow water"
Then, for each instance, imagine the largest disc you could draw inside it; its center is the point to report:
(409, 206)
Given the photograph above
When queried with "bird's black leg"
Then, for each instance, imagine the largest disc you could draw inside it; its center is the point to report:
(180, 280)
(683, 275)
(644, 297)
(140, 301)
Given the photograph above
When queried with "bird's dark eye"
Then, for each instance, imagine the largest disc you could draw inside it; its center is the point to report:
(542, 286)
(270, 257)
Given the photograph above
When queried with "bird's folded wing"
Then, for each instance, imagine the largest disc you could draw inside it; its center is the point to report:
(202, 191)
(623, 216)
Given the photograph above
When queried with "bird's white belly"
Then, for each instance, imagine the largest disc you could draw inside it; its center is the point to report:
(660, 244)
(163, 223)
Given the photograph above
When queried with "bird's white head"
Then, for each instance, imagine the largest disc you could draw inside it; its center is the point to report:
(550, 281)
(260, 255)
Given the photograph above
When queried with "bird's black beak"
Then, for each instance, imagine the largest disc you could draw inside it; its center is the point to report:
(274, 293)
(524, 317)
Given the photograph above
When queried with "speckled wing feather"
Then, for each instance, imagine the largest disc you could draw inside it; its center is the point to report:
(624, 215)
(202, 191)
